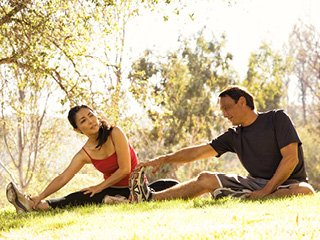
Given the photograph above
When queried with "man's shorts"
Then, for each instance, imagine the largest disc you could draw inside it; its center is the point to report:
(239, 183)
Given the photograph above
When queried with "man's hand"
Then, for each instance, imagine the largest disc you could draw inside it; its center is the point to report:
(154, 163)
(259, 194)
(91, 190)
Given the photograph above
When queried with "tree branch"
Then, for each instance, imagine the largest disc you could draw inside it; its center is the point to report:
(8, 17)
(7, 171)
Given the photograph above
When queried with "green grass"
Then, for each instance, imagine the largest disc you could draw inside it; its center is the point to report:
(202, 218)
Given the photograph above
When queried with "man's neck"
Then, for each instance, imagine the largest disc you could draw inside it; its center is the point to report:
(251, 118)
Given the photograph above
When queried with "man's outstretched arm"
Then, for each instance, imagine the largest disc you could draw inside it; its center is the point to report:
(183, 155)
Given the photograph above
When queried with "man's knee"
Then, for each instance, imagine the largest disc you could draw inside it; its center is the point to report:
(302, 188)
(296, 189)
(208, 180)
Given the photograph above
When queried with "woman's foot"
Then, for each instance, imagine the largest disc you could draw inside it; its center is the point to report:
(115, 199)
(20, 201)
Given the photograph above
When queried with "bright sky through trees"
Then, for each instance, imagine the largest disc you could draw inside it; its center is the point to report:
(246, 24)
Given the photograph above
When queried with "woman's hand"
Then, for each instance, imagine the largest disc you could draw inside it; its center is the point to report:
(105, 123)
(91, 190)
(36, 200)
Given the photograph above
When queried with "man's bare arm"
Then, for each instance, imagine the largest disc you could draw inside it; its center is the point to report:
(185, 155)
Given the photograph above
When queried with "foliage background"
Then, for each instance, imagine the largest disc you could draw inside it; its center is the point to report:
(55, 54)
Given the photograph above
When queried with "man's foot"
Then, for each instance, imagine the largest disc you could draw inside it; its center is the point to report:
(139, 190)
(20, 201)
(225, 192)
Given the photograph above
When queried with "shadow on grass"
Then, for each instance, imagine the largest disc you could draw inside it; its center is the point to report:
(68, 216)
(227, 201)
(9, 219)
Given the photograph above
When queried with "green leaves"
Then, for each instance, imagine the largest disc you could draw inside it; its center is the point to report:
(181, 88)
(266, 77)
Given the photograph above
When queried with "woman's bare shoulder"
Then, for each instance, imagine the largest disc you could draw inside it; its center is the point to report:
(116, 131)
(81, 155)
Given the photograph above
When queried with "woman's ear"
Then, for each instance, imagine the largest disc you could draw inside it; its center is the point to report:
(77, 130)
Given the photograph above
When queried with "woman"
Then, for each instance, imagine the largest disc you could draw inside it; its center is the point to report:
(107, 148)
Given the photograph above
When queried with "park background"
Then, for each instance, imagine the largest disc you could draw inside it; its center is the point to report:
(154, 68)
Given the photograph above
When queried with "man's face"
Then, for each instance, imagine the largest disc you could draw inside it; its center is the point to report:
(231, 109)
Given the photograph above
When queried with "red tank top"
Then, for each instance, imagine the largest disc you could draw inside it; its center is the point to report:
(110, 164)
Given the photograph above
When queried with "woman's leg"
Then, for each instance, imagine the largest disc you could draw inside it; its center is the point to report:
(163, 184)
(80, 199)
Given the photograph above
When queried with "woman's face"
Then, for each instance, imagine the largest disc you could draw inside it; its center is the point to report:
(87, 121)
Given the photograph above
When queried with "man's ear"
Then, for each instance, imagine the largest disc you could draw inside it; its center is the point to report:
(242, 100)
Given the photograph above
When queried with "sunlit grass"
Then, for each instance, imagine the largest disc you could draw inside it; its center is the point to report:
(202, 218)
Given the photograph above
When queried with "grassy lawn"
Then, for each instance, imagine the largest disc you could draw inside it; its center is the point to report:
(202, 218)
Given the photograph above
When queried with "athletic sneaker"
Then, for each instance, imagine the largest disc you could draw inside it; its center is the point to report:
(225, 192)
(19, 200)
(139, 190)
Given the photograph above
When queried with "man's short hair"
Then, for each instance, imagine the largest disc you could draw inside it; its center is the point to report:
(235, 92)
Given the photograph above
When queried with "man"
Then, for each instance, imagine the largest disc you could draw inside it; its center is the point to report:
(266, 144)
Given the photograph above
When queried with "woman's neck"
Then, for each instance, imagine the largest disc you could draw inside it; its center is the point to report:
(92, 142)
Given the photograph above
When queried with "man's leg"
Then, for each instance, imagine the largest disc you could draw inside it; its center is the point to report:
(294, 189)
(205, 182)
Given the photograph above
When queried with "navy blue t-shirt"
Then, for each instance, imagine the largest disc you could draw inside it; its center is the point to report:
(258, 145)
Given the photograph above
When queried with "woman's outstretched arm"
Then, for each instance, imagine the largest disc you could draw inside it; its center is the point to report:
(62, 179)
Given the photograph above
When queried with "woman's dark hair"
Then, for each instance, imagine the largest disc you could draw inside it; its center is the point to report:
(235, 92)
(104, 130)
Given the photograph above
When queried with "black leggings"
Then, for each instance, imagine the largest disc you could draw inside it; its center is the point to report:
(80, 199)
